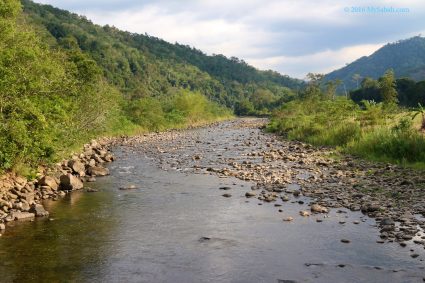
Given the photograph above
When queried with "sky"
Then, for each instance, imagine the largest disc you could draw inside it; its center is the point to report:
(293, 37)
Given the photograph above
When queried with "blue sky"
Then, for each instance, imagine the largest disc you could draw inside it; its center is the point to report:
(293, 37)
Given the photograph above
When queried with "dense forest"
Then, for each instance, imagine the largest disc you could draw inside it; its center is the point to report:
(65, 80)
(405, 57)
(142, 65)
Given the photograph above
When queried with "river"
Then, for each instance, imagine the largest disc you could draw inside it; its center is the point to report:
(176, 226)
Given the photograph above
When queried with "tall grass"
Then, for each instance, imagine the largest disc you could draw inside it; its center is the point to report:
(370, 131)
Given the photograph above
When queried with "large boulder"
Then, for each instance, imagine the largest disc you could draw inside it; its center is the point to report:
(77, 166)
(48, 181)
(70, 182)
(98, 171)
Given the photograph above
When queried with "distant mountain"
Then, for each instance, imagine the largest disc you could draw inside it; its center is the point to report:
(405, 57)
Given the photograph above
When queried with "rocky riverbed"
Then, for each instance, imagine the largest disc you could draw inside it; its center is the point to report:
(222, 203)
(285, 170)
(21, 199)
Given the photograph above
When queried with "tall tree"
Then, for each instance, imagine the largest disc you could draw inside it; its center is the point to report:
(312, 90)
(387, 88)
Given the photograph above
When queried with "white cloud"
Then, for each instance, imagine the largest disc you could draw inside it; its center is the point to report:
(321, 62)
(292, 36)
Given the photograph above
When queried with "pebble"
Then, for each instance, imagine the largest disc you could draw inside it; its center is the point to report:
(225, 188)
(345, 241)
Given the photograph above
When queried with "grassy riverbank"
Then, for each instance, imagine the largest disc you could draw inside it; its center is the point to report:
(371, 131)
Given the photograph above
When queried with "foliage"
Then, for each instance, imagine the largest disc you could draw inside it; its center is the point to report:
(403, 91)
(387, 88)
(49, 100)
(179, 109)
(56, 96)
(367, 131)
(420, 111)
(142, 65)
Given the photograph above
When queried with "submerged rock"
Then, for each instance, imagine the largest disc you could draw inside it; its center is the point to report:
(19, 215)
(39, 210)
(98, 171)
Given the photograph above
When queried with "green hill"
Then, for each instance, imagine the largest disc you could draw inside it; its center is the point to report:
(142, 65)
(405, 57)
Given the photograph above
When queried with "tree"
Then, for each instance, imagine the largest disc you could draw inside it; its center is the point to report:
(312, 90)
(387, 88)
(357, 78)
(331, 87)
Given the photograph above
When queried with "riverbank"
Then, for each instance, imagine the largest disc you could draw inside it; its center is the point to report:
(21, 199)
(286, 170)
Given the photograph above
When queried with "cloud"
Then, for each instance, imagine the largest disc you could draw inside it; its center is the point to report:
(320, 62)
(291, 36)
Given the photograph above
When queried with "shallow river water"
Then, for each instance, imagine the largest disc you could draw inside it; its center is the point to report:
(176, 227)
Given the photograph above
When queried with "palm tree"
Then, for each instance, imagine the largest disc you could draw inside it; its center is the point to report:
(420, 110)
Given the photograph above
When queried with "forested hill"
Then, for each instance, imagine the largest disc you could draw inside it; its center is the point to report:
(405, 57)
(142, 65)
(65, 80)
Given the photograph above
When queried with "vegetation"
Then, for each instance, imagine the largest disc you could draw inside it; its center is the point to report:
(378, 131)
(405, 57)
(54, 96)
(141, 65)
(49, 100)
(408, 92)
(64, 80)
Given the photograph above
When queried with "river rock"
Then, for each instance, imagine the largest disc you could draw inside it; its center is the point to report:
(304, 213)
(2, 227)
(315, 208)
(131, 187)
(70, 182)
(370, 207)
(250, 194)
(19, 215)
(288, 219)
(226, 195)
(108, 157)
(98, 171)
(225, 188)
(77, 166)
(39, 210)
(48, 181)
(387, 221)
